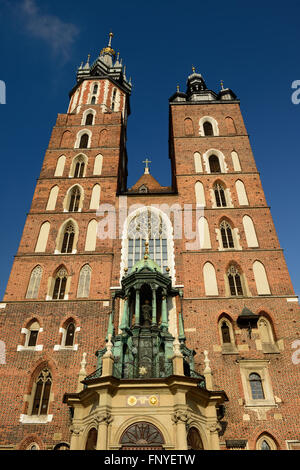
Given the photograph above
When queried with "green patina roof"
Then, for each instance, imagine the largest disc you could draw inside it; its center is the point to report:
(146, 263)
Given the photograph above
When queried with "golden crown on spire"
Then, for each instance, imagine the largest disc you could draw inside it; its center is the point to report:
(109, 49)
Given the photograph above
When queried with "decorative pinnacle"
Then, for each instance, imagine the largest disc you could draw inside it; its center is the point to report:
(193, 69)
(146, 250)
(111, 35)
(177, 88)
(222, 85)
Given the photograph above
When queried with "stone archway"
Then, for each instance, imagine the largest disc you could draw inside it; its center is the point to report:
(142, 436)
(194, 440)
(91, 442)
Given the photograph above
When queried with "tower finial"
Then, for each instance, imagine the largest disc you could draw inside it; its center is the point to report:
(193, 69)
(177, 88)
(111, 35)
(146, 172)
(222, 85)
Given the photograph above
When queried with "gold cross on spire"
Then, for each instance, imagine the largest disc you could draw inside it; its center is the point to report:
(147, 166)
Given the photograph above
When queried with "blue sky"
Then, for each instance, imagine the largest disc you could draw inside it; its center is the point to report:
(253, 47)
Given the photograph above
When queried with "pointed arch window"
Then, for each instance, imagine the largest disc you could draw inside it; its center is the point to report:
(70, 334)
(220, 195)
(84, 281)
(148, 226)
(95, 89)
(93, 100)
(226, 235)
(79, 168)
(42, 393)
(89, 119)
(208, 128)
(256, 386)
(84, 141)
(60, 285)
(225, 333)
(113, 101)
(214, 164)
(74, 199)
(34, 283)
(234, 279)
(68, 239)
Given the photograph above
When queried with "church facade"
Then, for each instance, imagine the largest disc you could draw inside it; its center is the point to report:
(149, 317)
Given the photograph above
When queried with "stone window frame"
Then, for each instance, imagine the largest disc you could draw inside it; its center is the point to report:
(235, 237)
(67, 199)
(27, 331)
(221, 157)
(41, 418)
(227, 194)
(91, 92)
(227, 348)
(63, 332)
(243, 279)
(51, 284)
(34, 282)
(85, 114)
(214, 124)
(269, 440)
(260, 367)
(60, 237)
(78, 138)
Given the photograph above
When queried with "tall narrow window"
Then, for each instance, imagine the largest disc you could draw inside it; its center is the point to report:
(34, 283)
(31, 337)
(89, 119)
(208, 128)
(42, 238)
(70, 334)
(84, 141)
(42, 393)
(95, 89)
(226, 234)
(214, 164)
(84, 281)
(79, 168)
(257, 391)
(74, 199)
(113, 101)
(68, 239)
(225, 333)
(60, 285)
(220, 195)
(234, 280)
(93, 100)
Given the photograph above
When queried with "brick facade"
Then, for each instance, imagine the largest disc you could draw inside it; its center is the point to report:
(201, 312)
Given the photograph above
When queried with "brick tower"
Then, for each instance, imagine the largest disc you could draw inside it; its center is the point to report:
(201, 257)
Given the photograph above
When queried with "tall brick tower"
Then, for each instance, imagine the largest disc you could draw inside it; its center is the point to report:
(182, 291)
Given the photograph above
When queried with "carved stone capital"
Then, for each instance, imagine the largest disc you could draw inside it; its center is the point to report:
(76, 430)
(104, 418)
(181, 415)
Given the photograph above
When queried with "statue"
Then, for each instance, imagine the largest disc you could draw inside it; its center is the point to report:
(147, 313)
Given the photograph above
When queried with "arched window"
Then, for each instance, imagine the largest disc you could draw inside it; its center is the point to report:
(148, 226)
(84, 282)
(79, 167)
(188, 127)
(52, 199)
(204, 235)
(226, 235)
(250, 232)
(95, 199)
(241, 193)
(42, 393)
(89, 120)
(91, 442)
(59, 170)
(66, 139)
(60, 284)
(70, 334)
(234, 279)
(220, 195)
(68, 239)
(210, 280)
(208, 128)
(32, 334)
(95, 89)
(34, 283)
(261, 280)
(91, 236)
(74, 199)
(194, 440)
(98, 165)
(230, 125)
(42, 238)
(197, 162)
(256, 386)
(225, 332)
(235, 161)
(113, 100)
(84, 141)
(93, 100)
(200, 195)
(265, 442)
(214, 164)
